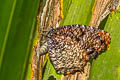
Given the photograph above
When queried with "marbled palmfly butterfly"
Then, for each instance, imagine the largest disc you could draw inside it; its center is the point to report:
(71, 46)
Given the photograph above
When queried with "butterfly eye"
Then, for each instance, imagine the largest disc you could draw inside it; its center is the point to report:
(51, 31)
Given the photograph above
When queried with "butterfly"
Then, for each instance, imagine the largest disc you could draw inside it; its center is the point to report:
(71, 46)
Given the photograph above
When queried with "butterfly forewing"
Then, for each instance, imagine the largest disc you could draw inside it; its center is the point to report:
(70, 47)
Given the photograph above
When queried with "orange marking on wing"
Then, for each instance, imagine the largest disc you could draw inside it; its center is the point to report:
(99, 49)
(85, 56)
(102, 47)
(84, 62)
(67, 73)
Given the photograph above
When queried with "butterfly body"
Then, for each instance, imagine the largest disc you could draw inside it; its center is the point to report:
(70, 47)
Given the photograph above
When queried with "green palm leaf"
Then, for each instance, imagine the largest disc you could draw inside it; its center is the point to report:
(17, 25)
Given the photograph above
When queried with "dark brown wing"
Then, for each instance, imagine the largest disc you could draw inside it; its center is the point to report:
(71, 46)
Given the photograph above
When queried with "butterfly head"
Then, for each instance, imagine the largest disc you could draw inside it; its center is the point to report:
(50, 33)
